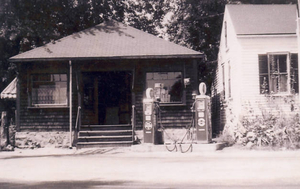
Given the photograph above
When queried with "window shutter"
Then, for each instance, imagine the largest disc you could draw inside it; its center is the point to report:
(263, 74)
(294, 73)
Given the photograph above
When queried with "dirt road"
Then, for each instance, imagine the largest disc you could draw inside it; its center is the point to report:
(228, 168)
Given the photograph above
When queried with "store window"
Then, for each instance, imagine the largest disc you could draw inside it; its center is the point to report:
(49, 89)
(167, 86)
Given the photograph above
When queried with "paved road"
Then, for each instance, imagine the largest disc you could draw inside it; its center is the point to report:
(116, 169)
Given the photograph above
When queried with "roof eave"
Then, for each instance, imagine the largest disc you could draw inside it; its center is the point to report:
(187, 56)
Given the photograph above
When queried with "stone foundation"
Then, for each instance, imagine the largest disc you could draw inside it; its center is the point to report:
(42, 139)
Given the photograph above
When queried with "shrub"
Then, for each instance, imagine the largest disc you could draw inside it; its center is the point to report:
(272, 126)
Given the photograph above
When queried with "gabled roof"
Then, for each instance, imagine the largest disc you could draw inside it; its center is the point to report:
(263, 19)
(107, 40)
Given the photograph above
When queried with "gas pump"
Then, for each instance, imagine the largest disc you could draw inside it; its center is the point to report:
(202, 116)
(149, 117)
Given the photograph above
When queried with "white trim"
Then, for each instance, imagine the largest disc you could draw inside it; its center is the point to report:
(266, 35)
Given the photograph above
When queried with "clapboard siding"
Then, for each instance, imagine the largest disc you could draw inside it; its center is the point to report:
(242, 54)
(228, 57)
(251, 48)
(250, 94)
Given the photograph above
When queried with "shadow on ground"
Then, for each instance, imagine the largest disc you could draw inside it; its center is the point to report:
(125, 184)
(82, 153)
(63, 184)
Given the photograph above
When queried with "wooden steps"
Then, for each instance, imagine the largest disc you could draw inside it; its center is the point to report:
(105, 135)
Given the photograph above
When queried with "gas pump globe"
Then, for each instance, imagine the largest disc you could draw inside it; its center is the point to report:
(203, 116)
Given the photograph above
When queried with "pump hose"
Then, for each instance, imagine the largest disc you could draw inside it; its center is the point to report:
(192, 135)
(164, 130)
(175, 141)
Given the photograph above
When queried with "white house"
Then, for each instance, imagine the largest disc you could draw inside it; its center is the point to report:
(258, 60)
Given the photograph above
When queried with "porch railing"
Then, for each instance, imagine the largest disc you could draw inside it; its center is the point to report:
(77, 125)
(133, 122)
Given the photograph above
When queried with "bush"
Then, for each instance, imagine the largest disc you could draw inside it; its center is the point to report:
(272, 127)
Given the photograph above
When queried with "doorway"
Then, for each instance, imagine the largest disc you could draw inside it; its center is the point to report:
(106, 98)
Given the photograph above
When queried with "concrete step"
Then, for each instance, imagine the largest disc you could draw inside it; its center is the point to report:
(104, 144)
(105, 138)
(105, 133)
(105, 127)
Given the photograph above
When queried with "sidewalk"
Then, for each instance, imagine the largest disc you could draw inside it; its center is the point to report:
(140, 148)
(147, 151)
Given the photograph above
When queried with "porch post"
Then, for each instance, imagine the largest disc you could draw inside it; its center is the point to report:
(70, 102)
(298, 41)
(18, 109)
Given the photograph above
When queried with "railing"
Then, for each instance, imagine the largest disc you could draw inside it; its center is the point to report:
(133, 121)
(77, 125)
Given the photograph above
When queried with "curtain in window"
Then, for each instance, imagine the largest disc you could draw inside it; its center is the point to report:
(49, 89)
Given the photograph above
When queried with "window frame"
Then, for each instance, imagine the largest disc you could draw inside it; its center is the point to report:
(30, 91)
(229, 80)
(226, 34)
(269, 82)
(183, 98)
(223, 80)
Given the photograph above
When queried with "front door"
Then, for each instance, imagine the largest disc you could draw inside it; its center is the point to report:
(106, 98)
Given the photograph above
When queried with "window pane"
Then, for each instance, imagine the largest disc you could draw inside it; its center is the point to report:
(282, 63)
(167, 86)
(44, 77)
(283, 83)
(278, 73)
(274, 85)
(49, 89)
(273, 64)
(264, 84)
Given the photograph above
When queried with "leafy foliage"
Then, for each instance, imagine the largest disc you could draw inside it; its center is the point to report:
(273, 126)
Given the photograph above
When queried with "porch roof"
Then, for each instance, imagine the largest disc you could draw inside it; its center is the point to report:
(263, 19)
(107, 40)
(10, 92)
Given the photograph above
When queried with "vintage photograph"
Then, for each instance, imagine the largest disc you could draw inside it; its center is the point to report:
(165, 94)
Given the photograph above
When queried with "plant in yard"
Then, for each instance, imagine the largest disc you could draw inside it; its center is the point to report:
(275, 123)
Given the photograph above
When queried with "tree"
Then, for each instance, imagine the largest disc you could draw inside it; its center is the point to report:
(197, 25)
(148, 15)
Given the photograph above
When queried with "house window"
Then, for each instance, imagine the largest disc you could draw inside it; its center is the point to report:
(226, 42)
(167, 86)
(278, 73)
(223, 80)
(49, 89)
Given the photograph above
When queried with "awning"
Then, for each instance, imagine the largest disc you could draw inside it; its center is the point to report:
(10, 91)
